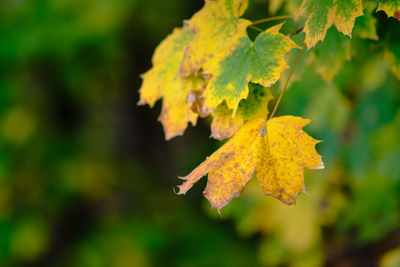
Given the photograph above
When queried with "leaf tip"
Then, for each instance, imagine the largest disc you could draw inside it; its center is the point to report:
(217, 136)
(305, 191)
(219, 212)
(276, 28)
(321, 166)
(181, 189)
(176, 189)
(290, 201)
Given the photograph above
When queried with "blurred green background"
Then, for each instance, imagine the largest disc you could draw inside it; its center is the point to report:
(86, 177)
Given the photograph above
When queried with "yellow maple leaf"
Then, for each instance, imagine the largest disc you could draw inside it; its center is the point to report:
(217, 28)
(209, 60)
(163, 81)
(276, 150)
(222, 51)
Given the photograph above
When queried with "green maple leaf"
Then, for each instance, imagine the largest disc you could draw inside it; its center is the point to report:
(325, 13)
(261, 62)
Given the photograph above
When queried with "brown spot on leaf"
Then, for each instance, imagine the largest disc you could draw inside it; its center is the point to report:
(397, 14)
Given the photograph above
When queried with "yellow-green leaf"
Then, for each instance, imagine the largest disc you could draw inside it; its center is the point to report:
(277, 151)
(224, 125)
(391, 8)
(261, 61)
(325, 13)
(217, 29)
(214, 41)
(163, 81)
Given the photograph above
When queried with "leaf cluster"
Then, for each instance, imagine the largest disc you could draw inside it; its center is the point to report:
(211, 66)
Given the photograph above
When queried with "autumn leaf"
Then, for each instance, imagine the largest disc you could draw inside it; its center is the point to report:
(325, 13)
(214, 41)
(329, 56)
(391, 8)
(163, 81)
(261, 61)
(224, 125)
(217, 28)
(277, 151)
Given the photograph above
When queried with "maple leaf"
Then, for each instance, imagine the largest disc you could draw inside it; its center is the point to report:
(163, 81)
(217, 30)
(330, 55)
(214, 41)
(222, 50)
(325, 13)
(391, 8)
(277, 151)
(224, 125)
(261, 61)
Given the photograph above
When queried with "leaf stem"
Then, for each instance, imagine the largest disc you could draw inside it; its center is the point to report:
(295, 32)
(287, 81)
(256, 28)
(271, 19)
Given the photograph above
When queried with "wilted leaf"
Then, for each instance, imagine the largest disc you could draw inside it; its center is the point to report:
(325, 13)
(261, 61)
(277, 150)
(391, 8)
(163, 81)
(224, 125)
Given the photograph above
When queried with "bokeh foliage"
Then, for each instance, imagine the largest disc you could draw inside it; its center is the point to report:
(86, 177)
